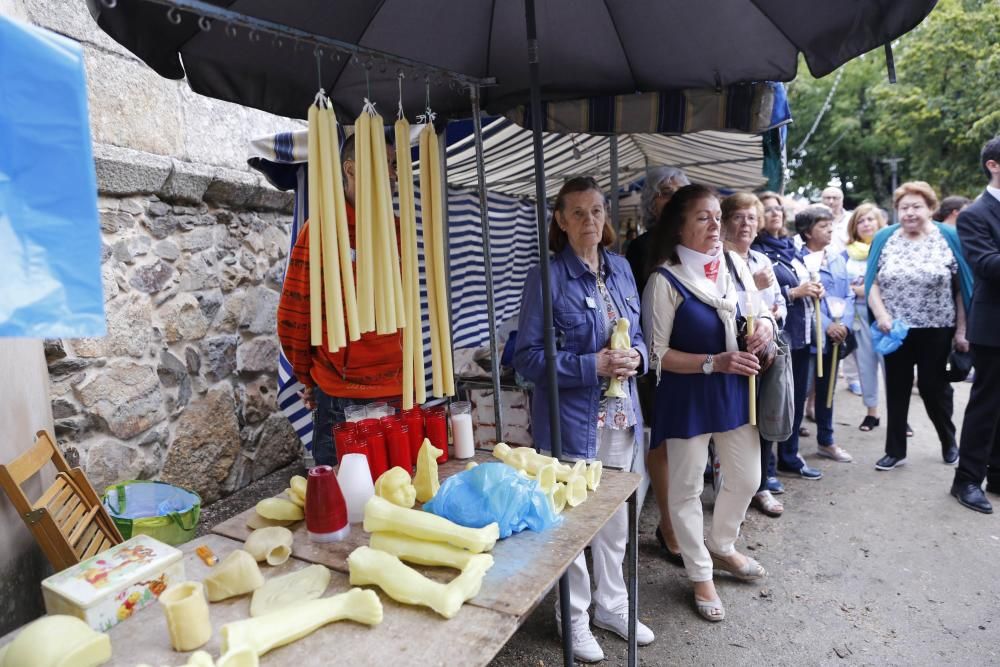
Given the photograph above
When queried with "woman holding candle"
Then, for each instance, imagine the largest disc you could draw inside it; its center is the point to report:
(917, 274)
(742, 214)
(690, 309)
(815, 226)
(800, 292)
(865, 221)
(591, 289)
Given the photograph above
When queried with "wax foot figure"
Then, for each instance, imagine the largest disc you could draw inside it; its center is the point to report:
(364, 371)
(979, 229)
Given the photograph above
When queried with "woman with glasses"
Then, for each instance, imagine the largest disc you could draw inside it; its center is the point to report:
(917, 274)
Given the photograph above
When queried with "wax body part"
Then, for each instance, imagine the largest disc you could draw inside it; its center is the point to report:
(237, 574)
(186, 610)
(295, 497)
(426, 480)
(273, 545)
(255, 521)
(565, 473)
(404, 584)
(381, 515)
(394, 485)
(78, 644)
(558, 497)
(421, 552)
(280, 509)
(309, 583)
(620, 340)
(461, 430)
(546, 477)
(576, 490)
(263, 633)
(593, 475)
(470, 465)
(526, 458)
(299, 484)
(244, 657)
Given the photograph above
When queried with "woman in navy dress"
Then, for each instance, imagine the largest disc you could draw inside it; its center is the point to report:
(690, 309)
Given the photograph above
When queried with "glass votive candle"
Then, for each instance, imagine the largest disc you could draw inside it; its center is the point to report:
(370, 430)
(355, 480)
(344, 436)
(355, 413)
(461, 430)
(379, 409)
(397, 442)
(436, 429)
(326, 509)
(414, 419)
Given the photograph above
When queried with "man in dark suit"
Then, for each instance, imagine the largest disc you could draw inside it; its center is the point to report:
(979, 455)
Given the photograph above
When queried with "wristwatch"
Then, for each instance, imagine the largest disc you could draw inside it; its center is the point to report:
(708, 365)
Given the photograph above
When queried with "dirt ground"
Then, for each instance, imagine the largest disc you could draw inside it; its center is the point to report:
(865, 568)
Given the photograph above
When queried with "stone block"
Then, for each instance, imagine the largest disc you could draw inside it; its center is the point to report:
(116, 221)
(109, 462)
(182, 319)
(260, 399)
(187, 182)
(199, 272)
(275, 242)
(277, 446)
(228, 318)
(62, 408)
(151, 278)
(210, 301)
(64, 367)
(129, 327)
(257, 355)
(54, 349)
(126, 396)
(123, 171)
(197, 239)
(73, 19)
(205, 445)
(167, 250)
(192, 360)
(232, 188)
(260, 311)
(218, 355)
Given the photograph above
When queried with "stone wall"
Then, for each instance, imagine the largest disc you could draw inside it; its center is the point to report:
(183, 388)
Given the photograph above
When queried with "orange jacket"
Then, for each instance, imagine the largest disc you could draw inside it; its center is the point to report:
(367, 368)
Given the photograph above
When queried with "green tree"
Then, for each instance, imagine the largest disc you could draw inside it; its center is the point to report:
(945, 105)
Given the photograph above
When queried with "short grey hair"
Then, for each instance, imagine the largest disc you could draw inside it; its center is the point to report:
(654, 177)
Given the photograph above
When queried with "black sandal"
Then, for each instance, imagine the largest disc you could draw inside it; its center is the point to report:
(868, 423)
(671, 556)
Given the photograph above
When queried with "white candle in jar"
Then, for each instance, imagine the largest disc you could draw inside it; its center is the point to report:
(461, 432)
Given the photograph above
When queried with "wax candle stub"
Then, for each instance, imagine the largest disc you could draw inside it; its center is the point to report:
(326, 508)
(461, 430)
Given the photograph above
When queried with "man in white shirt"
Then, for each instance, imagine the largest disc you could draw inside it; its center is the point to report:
(833, 198)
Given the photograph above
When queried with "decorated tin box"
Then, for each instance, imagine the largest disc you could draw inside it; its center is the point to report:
(110, 587)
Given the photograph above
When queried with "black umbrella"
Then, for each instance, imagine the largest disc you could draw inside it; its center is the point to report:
(588, 47)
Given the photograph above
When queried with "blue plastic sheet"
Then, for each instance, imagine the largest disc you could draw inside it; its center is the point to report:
(888, 343)
(494, 492)
(50, 246)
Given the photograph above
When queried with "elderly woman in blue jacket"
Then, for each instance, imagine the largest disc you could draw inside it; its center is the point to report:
(591, 289)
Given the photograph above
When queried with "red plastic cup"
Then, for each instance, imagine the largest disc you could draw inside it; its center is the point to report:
(436, 430)
(414, 419)
(326, 511)
(344, 437)
(397, 442)
(370, 430)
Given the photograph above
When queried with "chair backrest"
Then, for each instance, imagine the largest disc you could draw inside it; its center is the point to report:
(68, 520)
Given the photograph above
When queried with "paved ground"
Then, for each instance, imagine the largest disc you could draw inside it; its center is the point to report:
(866, 568)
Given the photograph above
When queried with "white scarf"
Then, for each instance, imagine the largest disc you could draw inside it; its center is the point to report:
(720, 294)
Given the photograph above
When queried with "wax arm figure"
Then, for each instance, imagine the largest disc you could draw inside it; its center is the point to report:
(979, 451)
(362, 371)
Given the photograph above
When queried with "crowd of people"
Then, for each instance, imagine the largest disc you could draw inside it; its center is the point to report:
(713, 292)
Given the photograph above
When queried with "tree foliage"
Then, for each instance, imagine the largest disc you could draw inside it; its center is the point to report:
(945, 105)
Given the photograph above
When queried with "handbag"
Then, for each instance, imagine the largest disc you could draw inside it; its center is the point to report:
(959, 365)
(776, 395)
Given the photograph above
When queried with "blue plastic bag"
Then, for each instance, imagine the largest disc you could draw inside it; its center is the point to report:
(494, 492)
(50, 245)
(888, 343)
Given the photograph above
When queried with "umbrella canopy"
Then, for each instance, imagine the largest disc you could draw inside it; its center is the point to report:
(587, 47)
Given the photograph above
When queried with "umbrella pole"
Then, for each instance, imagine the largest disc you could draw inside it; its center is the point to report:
(484, 225)
(548, 330)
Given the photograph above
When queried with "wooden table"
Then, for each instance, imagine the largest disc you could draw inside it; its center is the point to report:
(414, 635)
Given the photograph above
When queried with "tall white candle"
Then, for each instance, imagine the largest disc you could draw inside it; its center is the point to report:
(461, 431)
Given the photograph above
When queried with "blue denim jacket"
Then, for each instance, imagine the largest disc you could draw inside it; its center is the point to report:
(576, 307)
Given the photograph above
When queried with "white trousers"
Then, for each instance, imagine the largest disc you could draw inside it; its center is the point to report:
(739, 457)
(607, 549)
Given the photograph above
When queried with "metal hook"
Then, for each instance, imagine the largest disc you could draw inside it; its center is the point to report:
(318, 52)
(400, 75)
(368, 83)
(110, 4)
(254, 36)
(231, 31)
(204, 23)
(174, 16)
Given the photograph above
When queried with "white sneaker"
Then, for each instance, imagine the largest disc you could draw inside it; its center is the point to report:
(585, 646)
(618, 624)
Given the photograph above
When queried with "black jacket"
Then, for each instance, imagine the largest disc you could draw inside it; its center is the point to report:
(979, 230)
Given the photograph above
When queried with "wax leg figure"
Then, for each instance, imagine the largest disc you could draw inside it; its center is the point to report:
(364, 371)
(979, 229)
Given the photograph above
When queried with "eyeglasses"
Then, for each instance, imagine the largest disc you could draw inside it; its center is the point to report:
(912, 207)
(773, 209)
(742, 217)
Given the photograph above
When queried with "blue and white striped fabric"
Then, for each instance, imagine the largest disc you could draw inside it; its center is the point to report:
(281, 159)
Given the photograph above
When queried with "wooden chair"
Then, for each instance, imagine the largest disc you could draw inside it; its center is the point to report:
(68, 520)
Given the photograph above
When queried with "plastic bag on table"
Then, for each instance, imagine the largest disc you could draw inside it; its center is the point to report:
(887, 343)
(494, 492)
(50, 245)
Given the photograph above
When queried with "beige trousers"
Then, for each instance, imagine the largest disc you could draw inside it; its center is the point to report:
(739, 456)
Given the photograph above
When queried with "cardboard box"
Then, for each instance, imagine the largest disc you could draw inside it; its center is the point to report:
(110, 587)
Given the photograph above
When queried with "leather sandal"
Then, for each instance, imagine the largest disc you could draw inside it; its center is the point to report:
(767, 504)
(710, 610)
(868, 423)
(751, 570)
